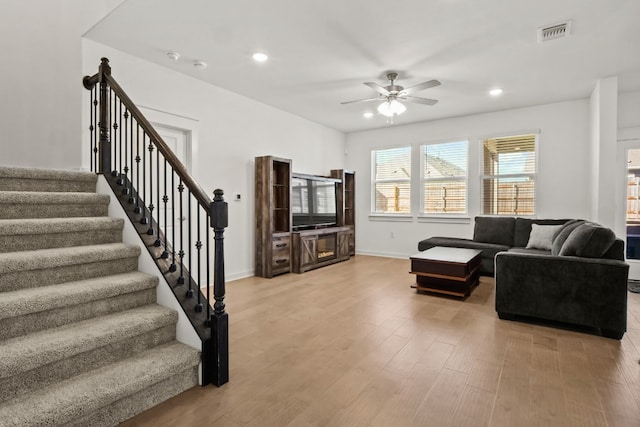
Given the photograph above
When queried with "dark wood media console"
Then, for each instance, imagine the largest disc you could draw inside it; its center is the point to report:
(279, 247)
(316, 248)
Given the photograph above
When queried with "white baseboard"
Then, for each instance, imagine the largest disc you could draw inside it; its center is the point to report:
(384, 254)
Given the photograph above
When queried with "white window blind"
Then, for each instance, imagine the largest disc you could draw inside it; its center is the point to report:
(444, 177)
(509, 175)
(391, 180)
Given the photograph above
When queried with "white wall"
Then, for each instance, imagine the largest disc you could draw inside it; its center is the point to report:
(562, 181)
(629, 115)
(604, 129)
(41, 79)
(232, 130)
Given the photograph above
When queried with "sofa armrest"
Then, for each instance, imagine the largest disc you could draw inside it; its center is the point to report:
(584, 291)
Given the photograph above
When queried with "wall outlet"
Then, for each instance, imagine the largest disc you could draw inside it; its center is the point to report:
(237, 197)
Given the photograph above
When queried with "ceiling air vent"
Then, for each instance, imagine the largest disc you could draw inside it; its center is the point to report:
(554, 31)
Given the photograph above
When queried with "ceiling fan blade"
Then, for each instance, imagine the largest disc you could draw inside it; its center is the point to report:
(363, 100)
(377, 88)
(419, 87)
(417, 99)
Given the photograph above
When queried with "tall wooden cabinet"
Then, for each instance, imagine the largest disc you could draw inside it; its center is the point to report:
(346, 199)
(279, 249)
(273, 216)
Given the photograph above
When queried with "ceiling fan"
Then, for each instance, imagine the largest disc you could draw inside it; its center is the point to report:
(390, 94)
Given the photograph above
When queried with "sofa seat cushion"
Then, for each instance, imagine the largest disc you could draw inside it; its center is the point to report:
(494, 230)
(453, 242)
(588, 240)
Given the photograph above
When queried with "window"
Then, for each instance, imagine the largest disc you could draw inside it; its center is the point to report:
(392, 180)
(509, 173)
(444, 177)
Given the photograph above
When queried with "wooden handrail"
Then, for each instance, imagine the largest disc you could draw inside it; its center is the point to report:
(197, 191)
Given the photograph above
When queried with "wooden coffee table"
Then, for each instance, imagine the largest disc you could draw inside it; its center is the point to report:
(450, 271)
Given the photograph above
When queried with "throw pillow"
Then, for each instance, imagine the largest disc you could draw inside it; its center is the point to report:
(588, 240)
(541, 236)
(562, 235)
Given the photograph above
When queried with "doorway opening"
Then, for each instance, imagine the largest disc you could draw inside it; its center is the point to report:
(633, 204)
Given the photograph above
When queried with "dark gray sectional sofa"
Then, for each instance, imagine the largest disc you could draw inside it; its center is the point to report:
(573, 272)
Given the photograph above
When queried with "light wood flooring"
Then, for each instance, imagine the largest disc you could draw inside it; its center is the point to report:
(353, 345)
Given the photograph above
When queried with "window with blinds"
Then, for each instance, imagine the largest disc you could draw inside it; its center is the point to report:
(444, 177)
(391, 169)
(509, 175)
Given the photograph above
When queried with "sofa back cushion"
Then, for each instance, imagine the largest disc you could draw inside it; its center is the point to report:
(562, 236)
(496, 230)
(588, 240)
(523, 229)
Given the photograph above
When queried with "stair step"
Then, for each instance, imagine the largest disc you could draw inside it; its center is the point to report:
(30, 269)
(44, 233)
(36, 204)
(28, 310)
(39, 359)
(31, 179)
(110, 394)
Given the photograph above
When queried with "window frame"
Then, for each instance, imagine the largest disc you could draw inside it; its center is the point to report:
(424, 180)
(374, 181)
(533, 176)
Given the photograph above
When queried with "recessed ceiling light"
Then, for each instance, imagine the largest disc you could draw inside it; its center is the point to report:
(368, 115)
(200, 65)
(260, 57)
(174, 56)
(495, 92)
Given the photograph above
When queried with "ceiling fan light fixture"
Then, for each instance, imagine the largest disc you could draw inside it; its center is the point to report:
(391, 108)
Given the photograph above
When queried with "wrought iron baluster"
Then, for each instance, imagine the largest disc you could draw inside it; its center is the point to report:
(144, 220)
(118, 128)
(165, 199)
(172, 267)
(125, 169)
(137, 209)
(91, 139)
(189, 257)
(150, 206)
(158, 242)
(198, 307)
(112, 135)
(208, 262)
(95, 127)
(130, 145)
(181, 252)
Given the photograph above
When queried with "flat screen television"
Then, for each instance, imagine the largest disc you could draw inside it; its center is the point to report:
(313, 202)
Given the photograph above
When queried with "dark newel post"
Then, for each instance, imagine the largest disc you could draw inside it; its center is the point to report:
(105, 143)
(218, 348)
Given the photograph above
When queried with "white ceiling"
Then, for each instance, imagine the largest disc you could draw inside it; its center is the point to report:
(322, 51)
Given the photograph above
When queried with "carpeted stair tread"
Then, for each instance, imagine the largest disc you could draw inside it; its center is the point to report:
(32, 179)
(38, 204)
(57, 257)
(58, 225)
(33, 300)
(50, 197)
(44, 233)
(54, 174)
(79, 396)
(27, 352)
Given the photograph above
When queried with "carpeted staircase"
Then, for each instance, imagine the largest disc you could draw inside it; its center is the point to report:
(82, 341)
